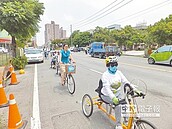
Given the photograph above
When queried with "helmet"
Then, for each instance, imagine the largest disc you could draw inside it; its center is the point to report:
(111, 59)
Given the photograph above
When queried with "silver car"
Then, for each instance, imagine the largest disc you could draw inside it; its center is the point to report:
(34, 55)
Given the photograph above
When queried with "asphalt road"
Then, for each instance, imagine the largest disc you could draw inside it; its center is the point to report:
(60, 110)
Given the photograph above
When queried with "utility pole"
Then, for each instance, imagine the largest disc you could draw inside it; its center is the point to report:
(71, 36)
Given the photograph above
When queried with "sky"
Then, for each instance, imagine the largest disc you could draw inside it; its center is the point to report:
(80, 13)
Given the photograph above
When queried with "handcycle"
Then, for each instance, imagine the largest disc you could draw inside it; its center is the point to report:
(132, 121)
(69, 79)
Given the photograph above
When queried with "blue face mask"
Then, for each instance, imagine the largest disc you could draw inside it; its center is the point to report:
(113, 69)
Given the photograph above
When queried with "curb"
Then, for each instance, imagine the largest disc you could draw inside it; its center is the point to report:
(134, 55)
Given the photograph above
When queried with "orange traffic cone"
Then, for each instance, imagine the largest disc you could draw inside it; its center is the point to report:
(3, 98)
(13, 79)
(14, 118)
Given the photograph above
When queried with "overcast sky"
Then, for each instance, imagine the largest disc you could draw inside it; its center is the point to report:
(124, 12)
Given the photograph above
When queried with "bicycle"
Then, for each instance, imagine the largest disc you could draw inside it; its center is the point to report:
(69, 79)
(57, 68)
(132, 122)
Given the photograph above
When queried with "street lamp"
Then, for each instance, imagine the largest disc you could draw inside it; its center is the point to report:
(71, 35)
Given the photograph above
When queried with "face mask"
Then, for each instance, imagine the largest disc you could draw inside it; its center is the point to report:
(112, 69)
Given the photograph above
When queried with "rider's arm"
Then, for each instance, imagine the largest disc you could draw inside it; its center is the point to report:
(60, 57)
(106, 86)
(71, 57)
(125, 81)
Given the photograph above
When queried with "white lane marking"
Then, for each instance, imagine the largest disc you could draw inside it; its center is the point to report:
(95, 71)
(139, 66)
(35, 119)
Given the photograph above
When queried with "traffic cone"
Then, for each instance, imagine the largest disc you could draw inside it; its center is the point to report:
(11, 68)
(14, 118)
(3, 98)
(13, 79)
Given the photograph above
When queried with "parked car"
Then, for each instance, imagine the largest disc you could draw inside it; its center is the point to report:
(3, 50)
(162, 55)
(34, 55)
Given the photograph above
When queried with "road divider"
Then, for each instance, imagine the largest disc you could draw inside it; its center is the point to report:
(3, 98)
(14, 117)
(35, 119)
(139, 66)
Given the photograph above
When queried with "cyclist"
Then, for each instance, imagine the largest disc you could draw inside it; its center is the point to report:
(65, 57)
(113, 87)
(53, 60)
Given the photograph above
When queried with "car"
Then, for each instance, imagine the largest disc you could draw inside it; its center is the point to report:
(34, 55)
(71, 49)
(162, 55)
(3, 50)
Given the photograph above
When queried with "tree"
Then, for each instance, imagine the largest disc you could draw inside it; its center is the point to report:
(161, 31)
(81, 38)
(20, 19)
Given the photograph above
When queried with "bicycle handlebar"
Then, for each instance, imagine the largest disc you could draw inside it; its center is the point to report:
(131, 91)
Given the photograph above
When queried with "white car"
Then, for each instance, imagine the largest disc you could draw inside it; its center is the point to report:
(34, 55)
(3, 50)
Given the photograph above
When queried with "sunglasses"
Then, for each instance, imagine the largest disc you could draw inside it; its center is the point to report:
(113, 64)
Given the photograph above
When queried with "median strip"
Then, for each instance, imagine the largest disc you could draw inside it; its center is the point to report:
(35, 119)
(162, 70)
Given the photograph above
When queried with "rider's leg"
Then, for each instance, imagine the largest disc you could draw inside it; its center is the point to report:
(117, 110)
(62, 70)
(118, 114)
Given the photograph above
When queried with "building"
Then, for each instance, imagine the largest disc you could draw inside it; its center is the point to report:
(5, 39)
(53, 31)
(114, 27)
(141, 26)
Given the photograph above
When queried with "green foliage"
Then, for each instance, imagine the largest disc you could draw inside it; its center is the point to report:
(81, 38)
(20, 18)
(160, 32)
(19, 62)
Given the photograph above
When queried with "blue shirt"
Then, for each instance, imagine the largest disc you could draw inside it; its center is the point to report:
(65, 56)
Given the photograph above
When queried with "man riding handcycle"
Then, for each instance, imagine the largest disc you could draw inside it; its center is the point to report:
(112, 91)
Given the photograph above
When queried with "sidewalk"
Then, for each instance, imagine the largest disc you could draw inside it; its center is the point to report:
(23, 96)
(133, 53)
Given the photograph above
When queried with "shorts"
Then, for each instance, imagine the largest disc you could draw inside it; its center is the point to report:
(62, 68)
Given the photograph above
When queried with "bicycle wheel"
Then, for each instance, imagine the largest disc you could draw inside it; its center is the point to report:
(70, 84)
(57, 68)
(87, 105)
(143, 124)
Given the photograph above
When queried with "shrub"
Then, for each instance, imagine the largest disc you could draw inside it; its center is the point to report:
(19, 62)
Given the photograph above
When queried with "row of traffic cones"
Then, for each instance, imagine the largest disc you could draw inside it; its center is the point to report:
(14, 117)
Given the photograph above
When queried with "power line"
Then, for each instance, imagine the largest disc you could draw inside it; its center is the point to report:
(100, 13)
(150, 8)
(96, 13)
(105, 14)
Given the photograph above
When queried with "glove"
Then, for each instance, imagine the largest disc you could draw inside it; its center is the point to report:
(115, 100)
(114, 91)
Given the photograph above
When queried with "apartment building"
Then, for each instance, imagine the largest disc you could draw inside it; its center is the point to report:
(53, 31)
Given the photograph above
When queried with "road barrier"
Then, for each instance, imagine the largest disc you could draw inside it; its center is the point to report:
(3, 98)
(14, 117)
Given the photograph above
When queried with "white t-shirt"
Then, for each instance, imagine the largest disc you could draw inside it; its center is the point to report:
(113, 84)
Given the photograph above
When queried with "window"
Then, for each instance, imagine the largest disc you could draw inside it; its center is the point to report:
(164, 49)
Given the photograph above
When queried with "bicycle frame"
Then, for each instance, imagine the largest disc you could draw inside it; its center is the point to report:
(99, 103)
